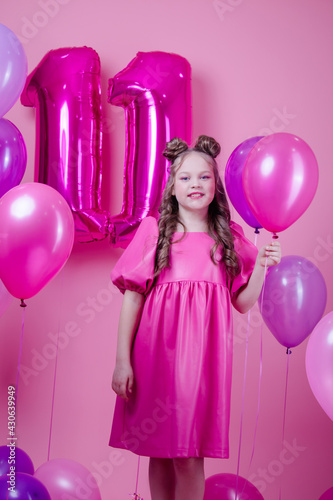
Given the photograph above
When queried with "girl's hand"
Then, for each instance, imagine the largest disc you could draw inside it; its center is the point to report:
(272, 252)
(122, 380)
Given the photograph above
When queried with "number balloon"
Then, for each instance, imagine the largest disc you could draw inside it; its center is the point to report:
(154, 90)
(65, 90)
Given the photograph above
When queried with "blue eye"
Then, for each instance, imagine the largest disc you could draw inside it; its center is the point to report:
(184, 178)
(205, 177)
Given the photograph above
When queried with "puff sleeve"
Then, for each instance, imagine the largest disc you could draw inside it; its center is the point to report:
(247, 253)
(135, 268)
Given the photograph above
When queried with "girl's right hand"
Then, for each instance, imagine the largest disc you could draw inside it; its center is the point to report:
(122, 380)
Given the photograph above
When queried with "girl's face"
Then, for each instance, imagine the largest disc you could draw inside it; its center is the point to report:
(194, 185)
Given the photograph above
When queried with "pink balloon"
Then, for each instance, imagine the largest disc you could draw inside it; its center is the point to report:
(36, 237)
(226, 486)
(319, 363)
(154, 89)
(13, 69)
(280, 178)
(65, 478)
(65, 90)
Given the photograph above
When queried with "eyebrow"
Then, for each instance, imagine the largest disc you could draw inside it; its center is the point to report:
(189, 173)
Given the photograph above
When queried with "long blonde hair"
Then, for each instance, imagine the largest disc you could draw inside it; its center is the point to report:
(218, 211)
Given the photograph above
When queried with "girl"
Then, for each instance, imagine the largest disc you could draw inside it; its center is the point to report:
(179, 277)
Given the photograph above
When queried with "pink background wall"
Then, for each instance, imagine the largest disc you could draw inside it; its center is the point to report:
(252, 63)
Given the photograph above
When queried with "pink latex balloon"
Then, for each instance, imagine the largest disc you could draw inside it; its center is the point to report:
(36, 237)
(13, 156)
(65, 90)
(280, 178)
(155, 92)
(13, 69)
(226, 486)
(65, 478)
(319, 363)
(328, 495)
(234, 180)
(294, 299)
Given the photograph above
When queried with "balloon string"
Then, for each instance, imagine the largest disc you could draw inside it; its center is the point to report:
(243, 397)
(55, 375)
(244, 383)
(285, 408)
(260, 368)
(23, 305)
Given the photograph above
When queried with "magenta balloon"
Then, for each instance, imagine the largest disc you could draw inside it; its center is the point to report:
(26, 487)
(13, 156)
(225, 487)
(280, 178)
(319, 363)
(68, 479)
(36, 237)
(23, 462)
(328, 495)
(155, 92)
(234, 180)
(65, 90)
(13, 69)
(294, 299)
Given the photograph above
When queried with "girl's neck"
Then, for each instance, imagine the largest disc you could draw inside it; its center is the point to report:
(193, 223)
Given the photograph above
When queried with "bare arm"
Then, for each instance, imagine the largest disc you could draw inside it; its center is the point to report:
(249, 293)
(122, 380)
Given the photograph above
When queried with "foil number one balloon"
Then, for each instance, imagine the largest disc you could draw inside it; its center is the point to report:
(154, 90)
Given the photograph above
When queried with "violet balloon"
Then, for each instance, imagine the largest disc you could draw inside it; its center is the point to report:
(36, 237)
(25, 487)
(280, 178)
(13, 156)
(234, 180)
(293, 299)
(319, 363)
(66, 478)
(65, 90)
(23, 462)
(13, 69)
(226, 486)
(154, 90)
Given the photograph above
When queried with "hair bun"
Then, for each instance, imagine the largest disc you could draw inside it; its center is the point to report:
(208, 145)
(174, 148)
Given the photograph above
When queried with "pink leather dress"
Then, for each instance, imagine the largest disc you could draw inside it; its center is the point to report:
(182, 351)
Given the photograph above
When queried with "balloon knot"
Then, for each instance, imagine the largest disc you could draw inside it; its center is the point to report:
(23, 304)
(289, 351)
(257, 230)
(275, 236)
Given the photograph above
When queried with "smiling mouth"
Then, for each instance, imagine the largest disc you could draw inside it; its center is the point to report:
(196, 195)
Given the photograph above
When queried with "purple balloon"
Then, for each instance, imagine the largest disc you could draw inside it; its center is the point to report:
(13, 156)
(25, 487)
(155, 92)
(13, 68)
(225, 487)
(294, 299)
(234, 180)
(328, 495)
(23, 462)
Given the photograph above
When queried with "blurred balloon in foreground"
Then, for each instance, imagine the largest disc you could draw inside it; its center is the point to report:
(225, 487)
(67, 478)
